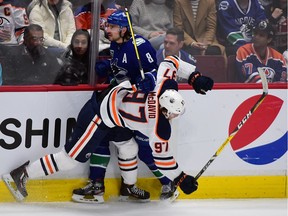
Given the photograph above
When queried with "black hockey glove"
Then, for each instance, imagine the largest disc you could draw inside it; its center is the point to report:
(187, 183)
(201, 84)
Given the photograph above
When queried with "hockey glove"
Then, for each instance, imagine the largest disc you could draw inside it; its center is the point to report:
(201, 84)
(148, 83)
(187, 183)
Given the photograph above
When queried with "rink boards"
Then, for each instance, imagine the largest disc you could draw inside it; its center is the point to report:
(37, 121)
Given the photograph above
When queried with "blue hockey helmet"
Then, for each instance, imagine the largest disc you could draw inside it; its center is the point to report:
(118, 18)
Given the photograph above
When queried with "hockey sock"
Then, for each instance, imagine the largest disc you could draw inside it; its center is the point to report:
(50, 164)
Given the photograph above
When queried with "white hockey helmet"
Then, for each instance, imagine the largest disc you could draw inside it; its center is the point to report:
(173, 102)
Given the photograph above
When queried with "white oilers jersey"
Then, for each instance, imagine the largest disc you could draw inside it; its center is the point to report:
(140, 112)
(134, 110)
(13, 19)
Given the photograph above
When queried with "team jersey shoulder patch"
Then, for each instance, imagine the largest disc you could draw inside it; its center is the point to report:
(140, 41)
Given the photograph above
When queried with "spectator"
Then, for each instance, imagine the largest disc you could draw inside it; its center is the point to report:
(198, 21)
(29, 63)
(277, 15)
(258, 54)
(83, 19)
(83, 15)
(235, 21)
(75, 61)
(13, 21)
(57, 20)
(151, 19)
(173, 44)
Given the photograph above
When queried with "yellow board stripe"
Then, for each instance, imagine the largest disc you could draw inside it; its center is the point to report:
(55, 190)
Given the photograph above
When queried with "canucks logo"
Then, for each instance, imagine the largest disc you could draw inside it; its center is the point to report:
(263, 138)
(120, 73)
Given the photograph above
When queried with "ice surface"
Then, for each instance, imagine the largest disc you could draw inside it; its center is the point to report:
(199, 207)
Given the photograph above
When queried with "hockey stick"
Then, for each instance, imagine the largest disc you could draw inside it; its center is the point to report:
(134, 42)
(243, 121)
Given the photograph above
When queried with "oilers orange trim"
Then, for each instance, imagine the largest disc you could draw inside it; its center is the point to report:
(127, 164)
(165, 163)
(134, 88)
(48, 164)
(85, 137)
(114, 109)
(174, 60)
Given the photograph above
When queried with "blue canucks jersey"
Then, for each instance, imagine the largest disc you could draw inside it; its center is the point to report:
(123, 62)
(235, 24)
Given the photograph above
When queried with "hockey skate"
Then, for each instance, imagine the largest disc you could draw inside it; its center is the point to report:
(16, 182)
(92, 193)
(133, 193)
(169, 192)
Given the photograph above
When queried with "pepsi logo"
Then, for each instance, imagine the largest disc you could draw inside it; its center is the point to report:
(263, 138)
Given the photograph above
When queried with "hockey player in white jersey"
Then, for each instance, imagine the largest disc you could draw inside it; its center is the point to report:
(13, 20)
(149, 114)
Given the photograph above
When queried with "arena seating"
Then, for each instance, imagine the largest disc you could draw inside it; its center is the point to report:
(231, 69)
(214, 66)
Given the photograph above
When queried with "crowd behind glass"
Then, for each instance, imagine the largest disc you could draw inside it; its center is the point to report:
(60, 41)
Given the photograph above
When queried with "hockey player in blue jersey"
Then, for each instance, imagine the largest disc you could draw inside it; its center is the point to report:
(258, 54)
(123, 63)
(235, 20)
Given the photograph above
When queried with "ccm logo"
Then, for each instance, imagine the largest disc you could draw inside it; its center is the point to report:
(244, 119)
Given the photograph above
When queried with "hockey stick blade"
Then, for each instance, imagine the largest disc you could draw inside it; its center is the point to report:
(8, 180)
(240, 125)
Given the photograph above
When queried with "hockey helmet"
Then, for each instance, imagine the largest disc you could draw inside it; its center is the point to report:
(173, 102)
(118, 18)
(264, 26)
